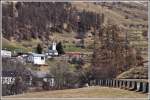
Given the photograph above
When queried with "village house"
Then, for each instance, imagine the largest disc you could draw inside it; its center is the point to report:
(5, 54)
(36, 59)
(8, 77)
(89, 35)
(8, 81)
(21, 59)
(52, 51)
(40, 78)
(50, 80)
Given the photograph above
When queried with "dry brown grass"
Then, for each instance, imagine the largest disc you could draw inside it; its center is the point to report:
(113, 15)
(88, 92)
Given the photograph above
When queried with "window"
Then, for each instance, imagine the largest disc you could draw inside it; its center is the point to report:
(42, 58)
(51, 82)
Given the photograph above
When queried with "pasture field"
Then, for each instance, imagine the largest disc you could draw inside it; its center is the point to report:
(86, 92)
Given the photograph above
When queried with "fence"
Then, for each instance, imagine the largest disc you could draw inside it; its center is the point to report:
(127, 84)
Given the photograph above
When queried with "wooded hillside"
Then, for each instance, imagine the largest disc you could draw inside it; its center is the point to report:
(24, 21)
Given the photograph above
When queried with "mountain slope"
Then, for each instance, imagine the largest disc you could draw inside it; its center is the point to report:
(42, 21)
(117, 12)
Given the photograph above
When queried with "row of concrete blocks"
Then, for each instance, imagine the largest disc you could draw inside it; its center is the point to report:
(137, 86)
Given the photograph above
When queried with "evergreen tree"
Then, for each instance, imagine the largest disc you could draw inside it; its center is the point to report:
(39, 49)
(82, 43)
(59, 48)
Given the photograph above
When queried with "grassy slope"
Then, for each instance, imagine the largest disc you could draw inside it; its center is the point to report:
(69, 37)
(91, 92)
(135, 73)
(28, 46)
(12, 45)
(115, 16)
(54, 62)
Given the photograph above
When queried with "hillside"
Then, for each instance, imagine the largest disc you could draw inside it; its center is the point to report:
(135, 73)
(21, 23)
(121, 13)
(77, 25)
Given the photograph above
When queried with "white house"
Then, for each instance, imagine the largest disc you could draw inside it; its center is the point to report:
(37, 59)
(5, 54)
(45, 77)
(8, 77)
(53, 51)
(50, 80)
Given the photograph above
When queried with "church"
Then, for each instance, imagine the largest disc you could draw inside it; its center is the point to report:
(52, 50)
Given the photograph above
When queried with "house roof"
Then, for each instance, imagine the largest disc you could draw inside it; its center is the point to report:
(5, 51)
(52, 51)
(15, 73)
(38, 55)
(40, 74)
(9, 73)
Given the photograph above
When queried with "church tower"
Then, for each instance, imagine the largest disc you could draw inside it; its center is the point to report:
(54, 45)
